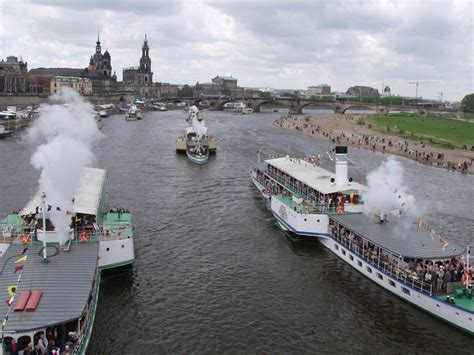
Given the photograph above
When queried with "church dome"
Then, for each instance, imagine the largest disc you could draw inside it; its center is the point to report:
(106, 54)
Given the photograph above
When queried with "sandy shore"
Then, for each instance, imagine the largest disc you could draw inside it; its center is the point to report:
(343, 129)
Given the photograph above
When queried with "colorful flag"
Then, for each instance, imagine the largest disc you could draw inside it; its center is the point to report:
(96, 227)
(11, 290)
(25, 250)
(23, 258)
(19, 267)
(9, 301)
(420, 223)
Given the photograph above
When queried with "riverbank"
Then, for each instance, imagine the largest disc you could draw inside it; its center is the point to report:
(344, 129)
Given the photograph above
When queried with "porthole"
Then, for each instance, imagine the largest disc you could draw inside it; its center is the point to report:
(337, 247)
(123, 246)
(369, 269)
(470, 319)
(108, 249)
(351, 257)
(405, 290)
(457, 313)
(359, 263)
(437, 305)
(305, 219)
(392, 283)
(343, 252)
(317, 220)
(380, 276)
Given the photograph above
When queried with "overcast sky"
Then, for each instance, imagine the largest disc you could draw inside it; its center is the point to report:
(264, 43)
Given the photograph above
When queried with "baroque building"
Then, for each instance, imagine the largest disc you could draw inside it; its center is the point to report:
(220, 86)
(13, 75)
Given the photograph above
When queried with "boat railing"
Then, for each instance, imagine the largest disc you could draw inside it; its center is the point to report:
(386, 267)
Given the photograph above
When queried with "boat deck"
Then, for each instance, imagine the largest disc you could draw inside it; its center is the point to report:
(66, 282)
(461, 301)
(303, 208)
(118, 224)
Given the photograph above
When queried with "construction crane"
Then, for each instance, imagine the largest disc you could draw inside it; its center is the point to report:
(421, 82)
(441, 93)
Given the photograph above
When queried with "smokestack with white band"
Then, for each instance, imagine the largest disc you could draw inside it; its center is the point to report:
(341, 165)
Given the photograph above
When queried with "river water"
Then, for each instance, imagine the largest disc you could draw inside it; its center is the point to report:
(213, 273)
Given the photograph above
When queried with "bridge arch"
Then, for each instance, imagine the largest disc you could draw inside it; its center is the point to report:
(361, 107)
(318, 105)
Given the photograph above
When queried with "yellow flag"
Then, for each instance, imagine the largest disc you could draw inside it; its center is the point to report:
(420, 223)
(4, 324)
(11, 290)
(23, 258)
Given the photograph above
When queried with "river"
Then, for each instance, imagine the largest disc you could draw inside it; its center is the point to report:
(214, 274)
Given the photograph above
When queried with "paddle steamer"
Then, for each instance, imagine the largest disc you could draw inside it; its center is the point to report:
(50, 276)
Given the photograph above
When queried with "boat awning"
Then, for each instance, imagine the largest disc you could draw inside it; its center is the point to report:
(65, 281)
(313, 176)
(399, 236)
(87, 196)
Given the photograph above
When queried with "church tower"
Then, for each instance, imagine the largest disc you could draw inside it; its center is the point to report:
(145, 65)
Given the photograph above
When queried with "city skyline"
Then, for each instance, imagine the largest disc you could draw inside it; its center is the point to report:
(266, 44)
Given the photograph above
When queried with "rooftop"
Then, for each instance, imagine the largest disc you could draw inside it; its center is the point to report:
(86, 198)
(313, 176)
(66, 282)
(399, 236)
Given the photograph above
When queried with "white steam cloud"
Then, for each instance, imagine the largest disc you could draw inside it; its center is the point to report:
(199, 126)
(70, 129)
(386, 192)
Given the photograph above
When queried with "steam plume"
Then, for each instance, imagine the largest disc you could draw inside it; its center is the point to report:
(69, 128)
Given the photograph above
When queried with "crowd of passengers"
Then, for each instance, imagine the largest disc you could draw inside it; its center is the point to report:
(328, 200)
(54, 343)
(438, 273)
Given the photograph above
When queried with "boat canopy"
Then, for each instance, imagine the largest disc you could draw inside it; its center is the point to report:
(86, 199)
(399, 236)
(315, 177)
(66, 282)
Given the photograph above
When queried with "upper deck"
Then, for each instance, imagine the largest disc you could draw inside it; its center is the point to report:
(66, 282)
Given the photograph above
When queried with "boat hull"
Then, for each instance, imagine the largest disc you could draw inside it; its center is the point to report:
(447, 312)
(198, 159)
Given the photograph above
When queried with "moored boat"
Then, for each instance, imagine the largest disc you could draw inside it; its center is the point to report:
(59, 265)
(133, 113)
(4, 133)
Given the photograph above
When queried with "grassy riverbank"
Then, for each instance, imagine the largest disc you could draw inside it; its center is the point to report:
(441, 131)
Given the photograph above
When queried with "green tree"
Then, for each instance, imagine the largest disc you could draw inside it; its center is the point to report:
(467, 104)
(186, 91)
(265, 94)
(295, 95)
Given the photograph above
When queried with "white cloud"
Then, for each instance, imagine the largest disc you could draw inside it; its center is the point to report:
(283, 44)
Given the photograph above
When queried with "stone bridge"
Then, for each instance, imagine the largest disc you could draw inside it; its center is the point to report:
(296, 106)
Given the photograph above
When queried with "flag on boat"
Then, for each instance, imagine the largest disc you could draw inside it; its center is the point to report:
(11, 290)
(25, 250)
(23, 258)
(18, 268)
(433, 232)
(96, 227)
(420, 223)
(9, 301)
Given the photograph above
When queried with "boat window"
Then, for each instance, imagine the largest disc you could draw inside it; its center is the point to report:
(369, 269)
(405, 290)
(380, 276)
(343, 252)
(351, 257)
(392, 283)
(337, 247)
(359, 263)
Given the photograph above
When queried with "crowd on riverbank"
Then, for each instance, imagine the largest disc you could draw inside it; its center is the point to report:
(344, 130)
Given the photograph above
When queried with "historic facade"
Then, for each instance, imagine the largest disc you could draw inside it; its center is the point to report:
(366, 91)
(82, 85)
(220, 86)
(13, 75)
(141, 75)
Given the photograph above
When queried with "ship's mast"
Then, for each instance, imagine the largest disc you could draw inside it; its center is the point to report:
(45, 255)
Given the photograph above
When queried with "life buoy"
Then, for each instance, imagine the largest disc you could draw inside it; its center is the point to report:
(466, 279)
(339, 210)
(25, 238)
(83, 237)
